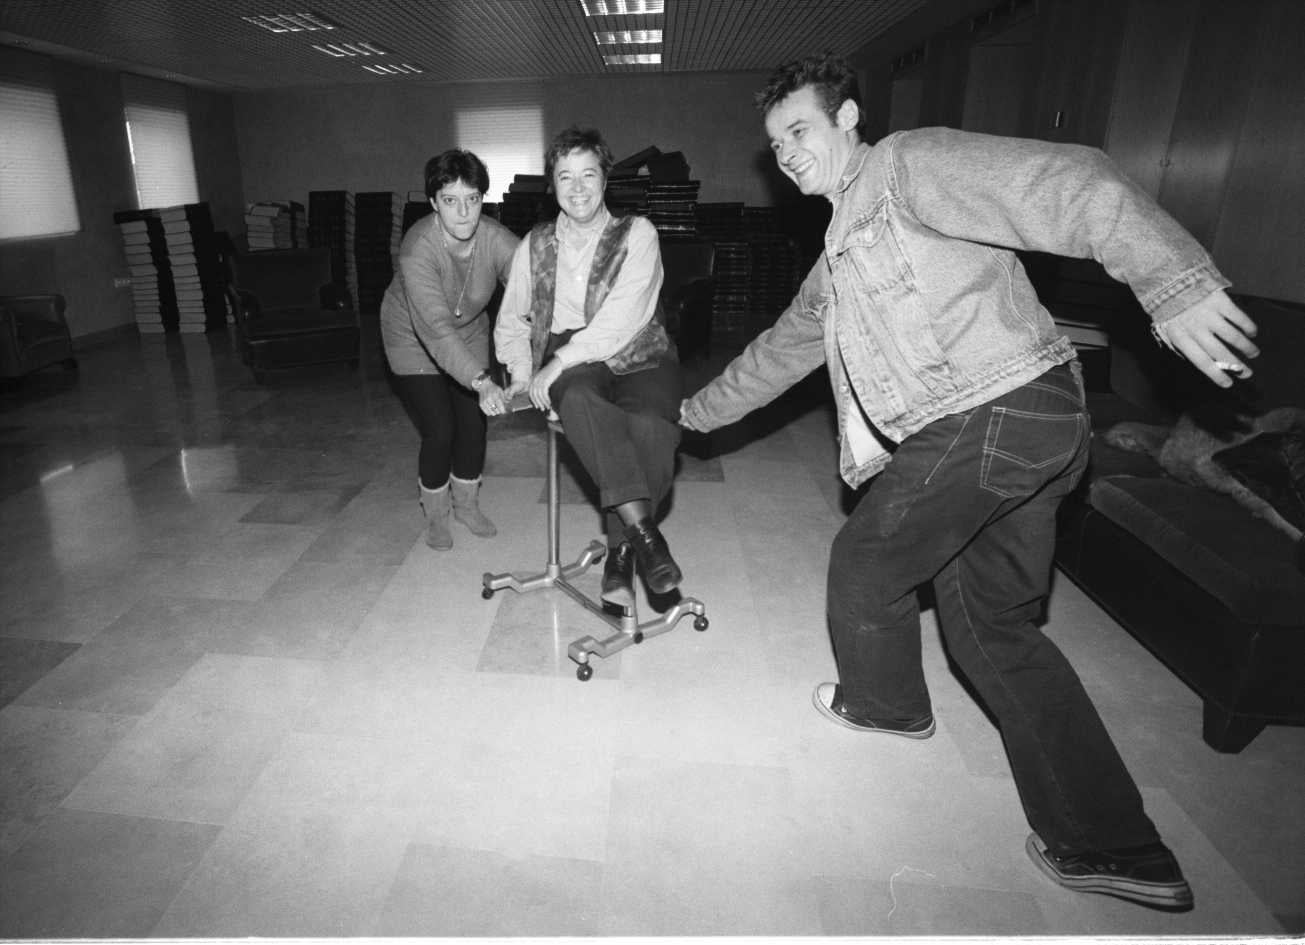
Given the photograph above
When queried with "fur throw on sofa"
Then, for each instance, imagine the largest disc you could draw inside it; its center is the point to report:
(1258, 460)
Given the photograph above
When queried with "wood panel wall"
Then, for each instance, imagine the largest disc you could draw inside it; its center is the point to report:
(1202, 102)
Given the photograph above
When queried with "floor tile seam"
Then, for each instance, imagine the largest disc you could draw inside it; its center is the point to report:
(67, 805)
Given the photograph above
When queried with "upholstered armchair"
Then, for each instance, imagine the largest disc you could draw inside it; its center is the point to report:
(288, 311)
(33, 334)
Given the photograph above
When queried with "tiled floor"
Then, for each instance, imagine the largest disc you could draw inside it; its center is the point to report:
(241, 697)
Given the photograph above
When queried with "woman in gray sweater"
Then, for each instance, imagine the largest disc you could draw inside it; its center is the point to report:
(436, 335)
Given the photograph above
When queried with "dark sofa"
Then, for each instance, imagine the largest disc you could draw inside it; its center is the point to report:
(1214, 592)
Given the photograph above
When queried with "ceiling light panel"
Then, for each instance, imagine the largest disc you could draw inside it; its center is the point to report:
(290, 22)
(348, 50)
(627, 37)
(620, 7)
(633, 59)
(402, 68)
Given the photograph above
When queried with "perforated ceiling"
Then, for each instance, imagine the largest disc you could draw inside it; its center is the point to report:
(209, 42)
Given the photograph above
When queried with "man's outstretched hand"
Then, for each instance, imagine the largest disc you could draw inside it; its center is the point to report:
(1215, 335)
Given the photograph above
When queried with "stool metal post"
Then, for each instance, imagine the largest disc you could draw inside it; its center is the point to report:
(554, 503)
(627, 628)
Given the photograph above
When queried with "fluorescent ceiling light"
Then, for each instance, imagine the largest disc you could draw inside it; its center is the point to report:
(343, 50)
(618, 7)
(634, 59)
(627, 37)
(404, 68)
(290, 22)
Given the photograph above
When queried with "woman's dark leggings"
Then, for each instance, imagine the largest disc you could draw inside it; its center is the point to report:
(451, 425)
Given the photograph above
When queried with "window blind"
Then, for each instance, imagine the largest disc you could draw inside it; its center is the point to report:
(509, 138)
(158, 133)
(36, 188)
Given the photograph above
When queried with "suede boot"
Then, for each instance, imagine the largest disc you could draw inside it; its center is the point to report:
(466, 508)
(435, 503)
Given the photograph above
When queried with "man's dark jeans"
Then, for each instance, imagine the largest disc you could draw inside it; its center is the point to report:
(969, 504)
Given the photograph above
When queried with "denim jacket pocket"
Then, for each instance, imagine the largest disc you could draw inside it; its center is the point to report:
(1023, 450)
(875, 272)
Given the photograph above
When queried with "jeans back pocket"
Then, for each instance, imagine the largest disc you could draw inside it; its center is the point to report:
(1024, 450)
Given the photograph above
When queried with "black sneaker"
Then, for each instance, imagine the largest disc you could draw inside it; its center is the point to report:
(1148, 875)
(823, 700)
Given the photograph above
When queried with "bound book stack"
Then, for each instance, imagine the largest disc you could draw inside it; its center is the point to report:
(526, 203)
(671, 207)
(719, 221)
(627, 192)
(729, 310)
(196, 267)
(154, 302)
(378, 232)
(776, 275)
(331, 224)
(276, 225)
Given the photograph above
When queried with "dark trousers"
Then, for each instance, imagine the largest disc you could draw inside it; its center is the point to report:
(969, 504)
(451, 426)
(623, 427)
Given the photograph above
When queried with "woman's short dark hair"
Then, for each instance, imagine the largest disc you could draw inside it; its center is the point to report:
(576, 138)
(832, 78)
(455, 165)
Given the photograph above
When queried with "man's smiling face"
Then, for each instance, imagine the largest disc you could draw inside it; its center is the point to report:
(812, 150)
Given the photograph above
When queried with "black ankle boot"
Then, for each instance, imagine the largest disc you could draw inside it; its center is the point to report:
(654, 556)
(618, 580)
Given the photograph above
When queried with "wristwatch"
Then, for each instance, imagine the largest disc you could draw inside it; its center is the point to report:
(480, 380)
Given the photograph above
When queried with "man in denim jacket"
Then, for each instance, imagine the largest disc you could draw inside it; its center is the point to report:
(956, 390)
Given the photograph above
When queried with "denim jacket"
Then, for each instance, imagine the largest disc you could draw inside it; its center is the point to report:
(918, 304)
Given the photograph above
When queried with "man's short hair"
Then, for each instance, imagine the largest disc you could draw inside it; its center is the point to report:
(576, 138)
(455, 165)
(832, 77)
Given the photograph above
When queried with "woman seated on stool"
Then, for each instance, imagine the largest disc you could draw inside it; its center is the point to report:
(436, 336)
(581, 329)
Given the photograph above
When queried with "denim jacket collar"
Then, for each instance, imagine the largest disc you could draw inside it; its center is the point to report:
(853, 168)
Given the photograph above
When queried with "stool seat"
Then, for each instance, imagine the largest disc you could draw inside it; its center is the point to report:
(627, 628)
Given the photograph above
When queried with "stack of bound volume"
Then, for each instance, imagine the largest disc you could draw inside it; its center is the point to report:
(776, 275)
(153, 300)
(331, 224)
(526, 203)
(189, 233)
(719, 221)
(729, 310)
(377, 234)
(671, 207)
(276, 225)
(627, 192)
(186, 290)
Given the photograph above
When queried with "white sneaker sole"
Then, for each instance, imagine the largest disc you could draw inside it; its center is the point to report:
(823, 697)
(1173, 896)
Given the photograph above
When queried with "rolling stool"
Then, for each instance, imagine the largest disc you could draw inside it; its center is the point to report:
(628, 629)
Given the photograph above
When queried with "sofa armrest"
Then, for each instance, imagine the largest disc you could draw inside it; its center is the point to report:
(34, 333)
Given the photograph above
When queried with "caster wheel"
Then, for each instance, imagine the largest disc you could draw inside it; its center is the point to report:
(638, 637)
(583, 672)
(700, 624)
(486, 593)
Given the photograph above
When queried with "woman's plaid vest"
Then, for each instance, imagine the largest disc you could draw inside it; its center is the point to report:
(643, 350)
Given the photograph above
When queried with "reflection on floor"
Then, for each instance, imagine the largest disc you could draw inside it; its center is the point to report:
(241, 697)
